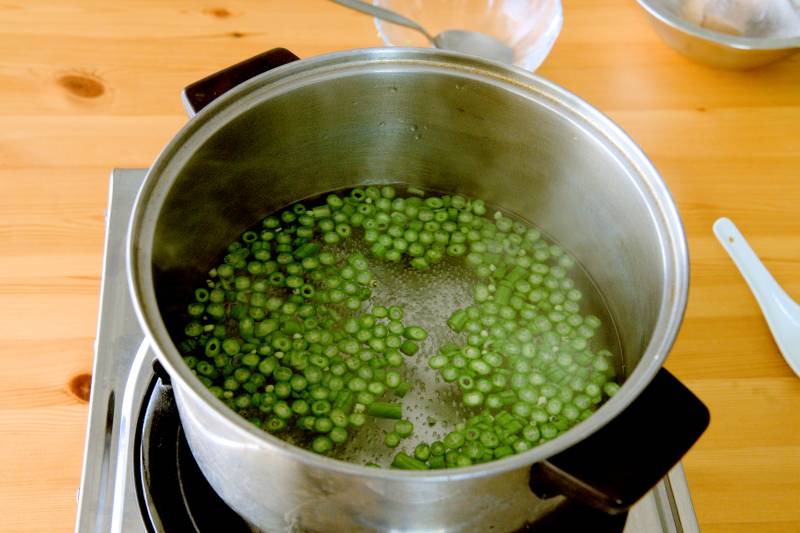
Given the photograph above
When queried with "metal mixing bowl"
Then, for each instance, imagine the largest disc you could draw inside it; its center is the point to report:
(714, 48)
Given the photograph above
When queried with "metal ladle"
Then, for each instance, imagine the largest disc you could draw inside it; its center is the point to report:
(467, 42)
(781, 312)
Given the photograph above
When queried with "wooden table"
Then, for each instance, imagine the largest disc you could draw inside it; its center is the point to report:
(86, 86)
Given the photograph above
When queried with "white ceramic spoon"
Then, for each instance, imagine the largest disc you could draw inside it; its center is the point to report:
(781, 312)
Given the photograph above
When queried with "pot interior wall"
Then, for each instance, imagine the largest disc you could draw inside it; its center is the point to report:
(451, 132)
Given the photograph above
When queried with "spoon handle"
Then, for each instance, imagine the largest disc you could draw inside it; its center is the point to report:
(384, 14)
(764, 287)
(781, 312)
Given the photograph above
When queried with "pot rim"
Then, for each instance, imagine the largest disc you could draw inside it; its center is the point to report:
(165, 169)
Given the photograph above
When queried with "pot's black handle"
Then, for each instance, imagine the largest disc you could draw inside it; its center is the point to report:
(614, 467)
(201, 93)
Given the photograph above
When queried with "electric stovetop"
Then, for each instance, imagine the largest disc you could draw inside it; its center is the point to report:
(139, 474)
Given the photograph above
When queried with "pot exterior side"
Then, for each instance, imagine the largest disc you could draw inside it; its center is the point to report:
(295, 497)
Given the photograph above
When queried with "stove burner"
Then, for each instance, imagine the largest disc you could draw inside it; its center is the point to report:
(174, 495)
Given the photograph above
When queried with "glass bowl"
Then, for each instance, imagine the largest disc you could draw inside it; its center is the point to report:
(529, 27)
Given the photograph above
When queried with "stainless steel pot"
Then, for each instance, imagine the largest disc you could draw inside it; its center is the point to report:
(447, 122)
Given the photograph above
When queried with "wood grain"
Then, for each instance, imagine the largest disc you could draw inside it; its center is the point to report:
(87, 85)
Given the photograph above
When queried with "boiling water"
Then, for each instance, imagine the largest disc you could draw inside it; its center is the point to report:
(429, 298)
